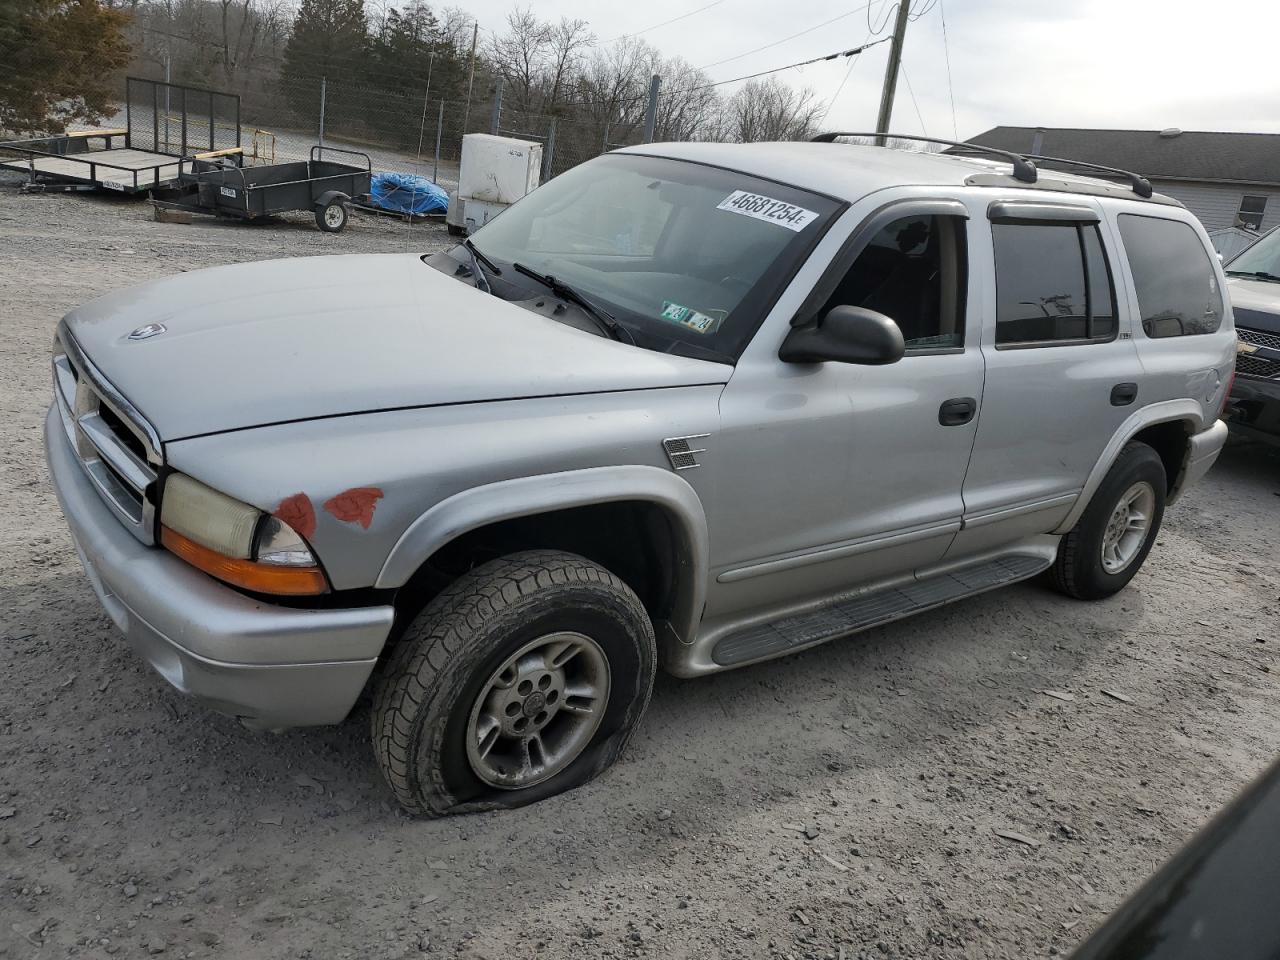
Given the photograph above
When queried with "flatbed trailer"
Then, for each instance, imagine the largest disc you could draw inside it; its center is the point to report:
(165, 125)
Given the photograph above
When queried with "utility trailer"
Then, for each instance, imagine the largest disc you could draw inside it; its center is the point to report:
(325, 187)
(165, 124)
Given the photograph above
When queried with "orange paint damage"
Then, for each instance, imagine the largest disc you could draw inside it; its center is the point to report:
(355, 505)
(299, 513)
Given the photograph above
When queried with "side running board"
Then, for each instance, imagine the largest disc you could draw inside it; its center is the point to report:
(869, 609)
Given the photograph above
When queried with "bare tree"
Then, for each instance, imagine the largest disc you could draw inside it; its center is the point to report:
(537, 60)
(771, 110)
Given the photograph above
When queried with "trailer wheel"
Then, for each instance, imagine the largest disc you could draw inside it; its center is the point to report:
(332, 217)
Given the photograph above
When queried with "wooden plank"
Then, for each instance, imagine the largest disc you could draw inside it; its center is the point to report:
(228, 152)
(80, 134)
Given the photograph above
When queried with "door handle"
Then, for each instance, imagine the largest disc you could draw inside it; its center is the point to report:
(1123, 394)
(957, 411)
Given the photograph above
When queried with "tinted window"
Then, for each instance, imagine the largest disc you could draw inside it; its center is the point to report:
(1052, 283)
(913, 271)
(1177, 287)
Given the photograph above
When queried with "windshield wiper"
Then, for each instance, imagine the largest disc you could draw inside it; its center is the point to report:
(565, 292)
(477, 258)
(1254, 275)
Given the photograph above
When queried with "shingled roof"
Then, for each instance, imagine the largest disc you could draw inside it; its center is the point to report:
(1186, 155)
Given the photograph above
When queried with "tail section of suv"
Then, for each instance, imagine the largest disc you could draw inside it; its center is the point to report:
(694, 406)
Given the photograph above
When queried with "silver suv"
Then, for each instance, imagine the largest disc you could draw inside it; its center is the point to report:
(697, 405)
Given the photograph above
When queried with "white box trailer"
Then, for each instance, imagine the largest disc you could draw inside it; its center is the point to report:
(494, 173)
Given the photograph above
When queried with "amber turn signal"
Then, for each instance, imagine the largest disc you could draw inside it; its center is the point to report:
(258, 577)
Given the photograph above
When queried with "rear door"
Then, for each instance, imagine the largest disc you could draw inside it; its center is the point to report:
(1062, 373)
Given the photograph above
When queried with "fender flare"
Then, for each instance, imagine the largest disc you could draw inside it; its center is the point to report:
(328, 197)
(1166, 411)
(526, 496)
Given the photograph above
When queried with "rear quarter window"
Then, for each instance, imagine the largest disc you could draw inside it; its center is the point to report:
(1177, 286)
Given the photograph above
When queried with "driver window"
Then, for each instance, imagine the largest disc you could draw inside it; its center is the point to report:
(913, 271)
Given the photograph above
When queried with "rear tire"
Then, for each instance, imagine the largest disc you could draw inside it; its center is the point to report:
(538, 646)
(1115, 533)
(332, 217)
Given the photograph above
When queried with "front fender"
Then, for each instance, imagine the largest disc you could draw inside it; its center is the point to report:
(526, 496)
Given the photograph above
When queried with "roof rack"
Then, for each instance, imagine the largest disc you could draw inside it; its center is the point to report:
(1141, 185)
(1023, 168)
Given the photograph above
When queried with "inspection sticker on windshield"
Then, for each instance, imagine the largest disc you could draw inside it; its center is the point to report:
(688, 317)
(768, 209)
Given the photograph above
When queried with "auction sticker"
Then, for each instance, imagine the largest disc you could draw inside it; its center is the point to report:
(768, 209)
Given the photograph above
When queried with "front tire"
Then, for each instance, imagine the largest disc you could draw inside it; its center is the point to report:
(526, 677)
(1115, 533)
(332, 217)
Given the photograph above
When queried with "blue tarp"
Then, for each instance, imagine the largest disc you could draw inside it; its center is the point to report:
(406, 193)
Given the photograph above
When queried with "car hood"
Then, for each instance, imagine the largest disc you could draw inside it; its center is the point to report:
(311, 337)
(1255, 303)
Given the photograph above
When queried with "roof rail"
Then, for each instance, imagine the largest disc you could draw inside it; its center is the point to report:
(1023, 168)
(1141, 185)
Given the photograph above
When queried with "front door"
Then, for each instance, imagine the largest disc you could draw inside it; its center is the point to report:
(831, 475)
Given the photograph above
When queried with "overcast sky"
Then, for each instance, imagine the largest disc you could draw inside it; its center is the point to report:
(1086, 63)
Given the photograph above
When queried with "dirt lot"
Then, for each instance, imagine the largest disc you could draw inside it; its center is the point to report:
(840, 803)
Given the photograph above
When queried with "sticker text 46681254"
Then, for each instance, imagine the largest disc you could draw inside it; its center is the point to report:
(768, 209)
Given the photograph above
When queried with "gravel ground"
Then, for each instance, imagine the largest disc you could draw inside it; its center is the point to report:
(839, 803)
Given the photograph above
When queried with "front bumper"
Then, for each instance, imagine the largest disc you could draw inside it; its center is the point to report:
(1255, 408)
(272, 667)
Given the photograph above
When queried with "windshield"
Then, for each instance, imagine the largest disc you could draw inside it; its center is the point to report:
(1263, 257)
(681, 254)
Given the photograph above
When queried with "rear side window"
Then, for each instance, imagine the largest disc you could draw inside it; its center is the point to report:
(1178, 291)
(1053, 285)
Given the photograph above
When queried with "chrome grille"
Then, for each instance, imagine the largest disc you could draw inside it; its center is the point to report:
(1258, 337)
(1251, 366)
(116, 446)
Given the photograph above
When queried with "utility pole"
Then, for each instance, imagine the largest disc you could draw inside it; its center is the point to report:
(471, 76)
(651, 113)
(891, 71)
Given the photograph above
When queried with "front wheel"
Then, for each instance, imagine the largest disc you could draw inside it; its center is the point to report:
(332, 217)
(523, 679)
(1116, 531)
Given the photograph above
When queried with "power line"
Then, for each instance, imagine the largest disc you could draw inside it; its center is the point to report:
(946, 50)
(683, 16)
(803, 63)
(923, 11)
(767, 46)
(874, 30)
(919, 115)
(832, 102)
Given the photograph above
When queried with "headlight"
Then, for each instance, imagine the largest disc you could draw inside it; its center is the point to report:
(235, 542)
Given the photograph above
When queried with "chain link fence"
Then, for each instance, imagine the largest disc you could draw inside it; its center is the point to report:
(408, 130)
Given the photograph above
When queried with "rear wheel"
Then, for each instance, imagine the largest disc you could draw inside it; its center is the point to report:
(523, 679)
(332, 217)
(1114, 535)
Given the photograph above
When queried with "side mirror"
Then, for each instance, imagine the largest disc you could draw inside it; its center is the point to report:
(845, 335)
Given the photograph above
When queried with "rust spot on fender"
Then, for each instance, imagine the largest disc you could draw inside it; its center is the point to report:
(299, 513)
(355, 505)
